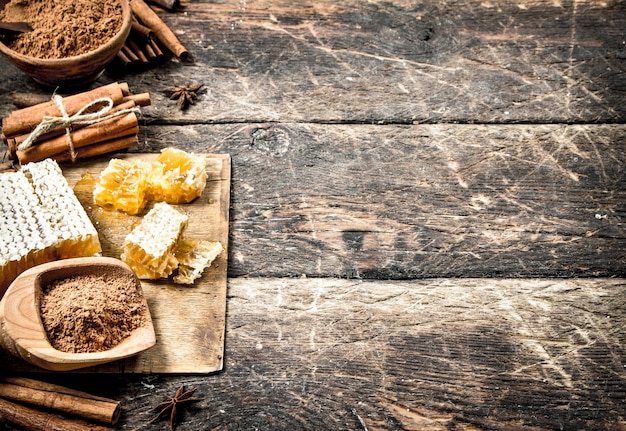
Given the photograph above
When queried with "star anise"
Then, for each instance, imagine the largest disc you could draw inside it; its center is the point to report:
(172, 404)
(185, 95)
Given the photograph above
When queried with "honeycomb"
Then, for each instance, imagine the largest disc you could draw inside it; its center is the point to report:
(194, 256)
(42, 220)
(149, 249)
(176, 177)
(122, 186)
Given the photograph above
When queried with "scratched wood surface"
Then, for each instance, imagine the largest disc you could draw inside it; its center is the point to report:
(460, 354)
(427, 220)
(373, 201)
(389, 62)
(400, 62)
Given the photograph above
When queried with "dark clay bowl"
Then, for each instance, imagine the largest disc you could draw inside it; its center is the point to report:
(78, 70)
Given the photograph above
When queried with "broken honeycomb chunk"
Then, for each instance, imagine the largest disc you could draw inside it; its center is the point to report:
(42, 220)
(122, 186)
(194, 256)
(150, 248)
(177, 177)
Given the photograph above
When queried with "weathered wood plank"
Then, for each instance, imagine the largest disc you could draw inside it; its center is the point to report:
(420, 201)
(390, 62)
(320, 104)
(502, 354)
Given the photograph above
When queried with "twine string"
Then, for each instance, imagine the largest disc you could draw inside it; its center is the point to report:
(81, 118)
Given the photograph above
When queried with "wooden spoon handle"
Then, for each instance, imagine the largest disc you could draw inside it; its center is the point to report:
(14, 27)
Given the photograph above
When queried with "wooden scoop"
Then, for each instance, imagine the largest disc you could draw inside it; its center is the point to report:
(22, 332)
(14, 28)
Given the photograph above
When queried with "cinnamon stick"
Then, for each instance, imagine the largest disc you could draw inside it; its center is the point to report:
(156, 48)
(149, 51)
(35, 420)
(170, 5)
(60, 399)
(140, 31)
(165, 35)
(134, 47)
(123, 58)
(99, 148)
(139, 99)
(128, 102)
(26, 119)
(115, 127)
(129, 53)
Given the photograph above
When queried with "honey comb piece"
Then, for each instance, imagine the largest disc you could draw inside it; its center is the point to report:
(194, 256)
(122, 186)
(150, 247)
(177, 177)
(25, 234)
(42, 220)
(75, 232)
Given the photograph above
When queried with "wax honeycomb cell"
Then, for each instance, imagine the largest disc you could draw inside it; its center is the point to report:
(150, 247)
(176, 177)
(122, 186)
(194, 256)
(42, 220)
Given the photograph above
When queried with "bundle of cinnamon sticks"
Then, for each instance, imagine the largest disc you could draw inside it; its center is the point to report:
(115, 129)
(149, 34)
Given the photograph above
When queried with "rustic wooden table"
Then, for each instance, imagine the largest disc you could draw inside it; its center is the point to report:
(427, 225)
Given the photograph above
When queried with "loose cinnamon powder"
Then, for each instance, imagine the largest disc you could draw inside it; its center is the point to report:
(63, 28)
(89, 313)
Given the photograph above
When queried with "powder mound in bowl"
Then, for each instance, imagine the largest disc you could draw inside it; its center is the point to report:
(63, 28)
(91, 313)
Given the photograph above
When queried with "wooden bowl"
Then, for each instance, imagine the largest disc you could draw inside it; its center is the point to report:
(78, 70)
(22, 332)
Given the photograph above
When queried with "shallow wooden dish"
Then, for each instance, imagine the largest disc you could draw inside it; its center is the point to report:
(78, 70)
(22, 332)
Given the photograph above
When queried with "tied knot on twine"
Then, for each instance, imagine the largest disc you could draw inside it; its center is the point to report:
(82, 118)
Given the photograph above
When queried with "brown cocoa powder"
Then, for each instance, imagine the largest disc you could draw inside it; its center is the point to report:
(63, 28)
(90, 313)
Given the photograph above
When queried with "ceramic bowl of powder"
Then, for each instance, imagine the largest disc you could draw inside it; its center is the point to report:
(76, 313)
(72, 40)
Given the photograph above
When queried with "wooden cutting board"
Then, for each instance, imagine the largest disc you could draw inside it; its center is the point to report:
(189, 321)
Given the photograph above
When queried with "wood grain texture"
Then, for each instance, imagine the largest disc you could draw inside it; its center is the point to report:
(403, 62)
(403, 140)
(418, 201)
(460, 354)
(390, 62)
